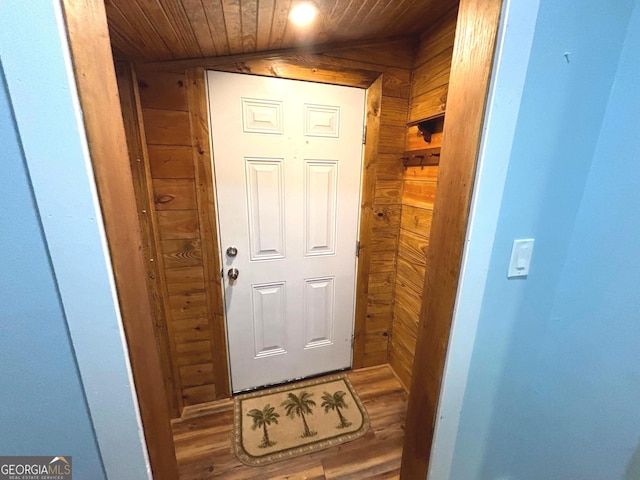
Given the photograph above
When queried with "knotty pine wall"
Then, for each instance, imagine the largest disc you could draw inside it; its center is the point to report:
(166, 124)
(164, 106)
(429, 85)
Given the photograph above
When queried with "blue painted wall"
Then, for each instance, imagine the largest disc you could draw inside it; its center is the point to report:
(555, 370)
(42, 405)
(40, 82)
(584, 409)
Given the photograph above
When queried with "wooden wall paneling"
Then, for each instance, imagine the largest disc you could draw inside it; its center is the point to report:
(428, 93)
(402, 361)
(387, 206)
(191, 330)
(473, 53)
(411, 273)
(166, 92)
(413, 247)
(419, 193)
(176, 224)
(194, 353)
(174, 194)
(188, 305)
(170, 161)
(384, 239)
(374, 99)
(430, 79)
(388, 191)
(398, 53)
(381, 282)
(387, 209)
(185, 279)
(197, 94)
(388, 169)
(166, 127)
(408, 324)
(429, 172)
(416, 220)
(88, 39)
(181, 253)
(177, 123)
(197, 395)
(383, 262)
(304, 64)
(308, 68)
(408, 299)
(429, 104)
(156, 285)
(197, 375)
(406, 296)
(433, 73)
(440, 36)
(387, 107)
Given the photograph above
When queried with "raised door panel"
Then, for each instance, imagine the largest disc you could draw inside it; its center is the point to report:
(320, 206)
(265, 200)
(269, 319)
(319, 308)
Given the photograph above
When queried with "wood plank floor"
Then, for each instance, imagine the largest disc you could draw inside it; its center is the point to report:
(204, 449)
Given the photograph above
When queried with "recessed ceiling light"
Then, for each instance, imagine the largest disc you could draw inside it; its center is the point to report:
(303, 13)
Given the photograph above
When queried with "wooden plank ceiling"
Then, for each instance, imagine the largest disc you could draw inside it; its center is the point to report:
(157, 30)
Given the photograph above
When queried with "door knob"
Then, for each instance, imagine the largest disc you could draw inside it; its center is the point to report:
(233, 273)
(232, 251)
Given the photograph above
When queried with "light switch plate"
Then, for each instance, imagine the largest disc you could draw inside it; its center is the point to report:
(520, 258)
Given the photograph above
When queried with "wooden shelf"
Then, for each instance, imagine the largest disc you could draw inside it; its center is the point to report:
(421, 158)
(420, 151)
(431, 119)
(428, 126)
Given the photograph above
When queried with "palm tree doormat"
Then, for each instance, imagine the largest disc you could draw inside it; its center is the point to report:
(297, 419)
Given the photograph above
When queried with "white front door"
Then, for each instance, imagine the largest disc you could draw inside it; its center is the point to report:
(287, 157)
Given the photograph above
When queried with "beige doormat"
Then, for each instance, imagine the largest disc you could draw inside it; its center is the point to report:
(296, 419)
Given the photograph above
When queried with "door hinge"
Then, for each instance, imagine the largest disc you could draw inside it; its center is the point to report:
(357, 248)
(364, 134)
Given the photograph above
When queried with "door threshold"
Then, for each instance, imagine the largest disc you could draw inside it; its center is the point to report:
(286, 382)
